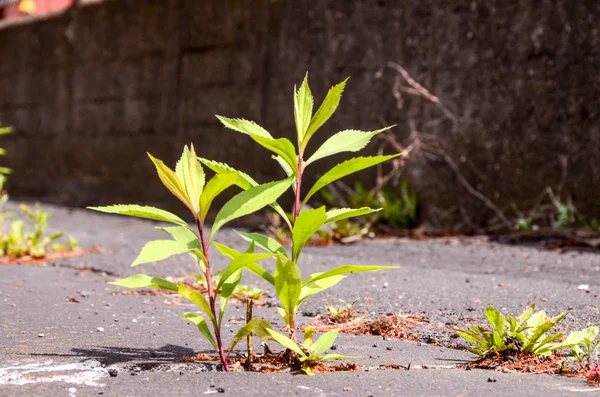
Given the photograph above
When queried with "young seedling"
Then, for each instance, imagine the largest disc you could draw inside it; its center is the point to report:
(291, 288)
(510, 335)
(344, 312)
(187, 183)
(584, 346)
(310, 353)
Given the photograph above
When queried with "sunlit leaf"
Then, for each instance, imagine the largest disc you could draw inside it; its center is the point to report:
(171, 181)
(264, 242)
(341, 270)
(250, 201)
(256, 325)
(198, 320)
(158, 250)
(285, 342)
(303, 107)
(307, 224)
(215, 186)
(244, 126)
(197, 298)
(145, 281)
(344, 213)
(344, 141)
(346, 168)
(325, 111)
(288, 283)
(252, 266)
(141, 211)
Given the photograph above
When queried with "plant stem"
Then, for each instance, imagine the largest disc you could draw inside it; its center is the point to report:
(211, 296)
(298, 186)
(249, 337)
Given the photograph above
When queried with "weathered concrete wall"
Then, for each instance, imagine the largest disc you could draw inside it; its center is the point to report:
(91, 90)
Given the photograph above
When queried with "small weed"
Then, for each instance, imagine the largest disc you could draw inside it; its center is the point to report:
(343, 313)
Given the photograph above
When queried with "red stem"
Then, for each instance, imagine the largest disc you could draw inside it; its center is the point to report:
(212, 297)
(298, 186)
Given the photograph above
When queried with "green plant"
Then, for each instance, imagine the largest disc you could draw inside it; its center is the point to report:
(397, 210)
(309, 352)
(525, 225)
(584, 346)
(4, 170)
(291, 288)
(510, 335)
(187, 183)
(28, 236)
(346, 309)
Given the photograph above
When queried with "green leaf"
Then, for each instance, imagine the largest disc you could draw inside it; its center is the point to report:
(329, 357)
(324, 342)
(288, 283)
(253, 267)
(197, 298)
(171, 181)
(250, 201)
(346, 168)
(214, 187)
(244, 181)
(264, 242)
(315, 287)
(497, 320)
(344, 213)
(256, 325)
(347, 269)
(303, 107)
(141, 211)
(158, 250)
(227, 288)
(309, 333)
(202, 327)
(527, 313)
(187, 237)
(244, 126)
(190, 173)
(307, 224)
(285, 342)
(238, 263)
(344, 141)
(325, 111)
(144, 281)
(281, 147)
(285, 166)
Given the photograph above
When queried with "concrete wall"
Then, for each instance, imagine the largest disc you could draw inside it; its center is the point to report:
(91, 90)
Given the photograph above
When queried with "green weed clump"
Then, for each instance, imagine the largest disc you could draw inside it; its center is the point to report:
(188, 183)
(27, 236)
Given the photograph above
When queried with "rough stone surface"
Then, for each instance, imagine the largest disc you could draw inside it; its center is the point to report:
(91, 90)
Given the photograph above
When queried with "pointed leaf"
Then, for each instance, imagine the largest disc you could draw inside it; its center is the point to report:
(345, 213)
(253, 266)
(284, 165)
(227, 289)
(250, 201)
(303, 107)
(145, 281)
(202, 327)
(344, 141)
(187, 237)
(214, 187)
(285, 342)
(158, 250)
(141, 211)
(324, 342)
(238, 263)
(309, 333)
(317, 286)
(256, 325)
(307, 224)
(197, 298)
(288, 283)
(244, 181)
(329, 357)
(346, 168)
(325, 111)
(171, 181)
(281, 147)
(347, 269)
(497, 320)
(244, 126)
(264, 242)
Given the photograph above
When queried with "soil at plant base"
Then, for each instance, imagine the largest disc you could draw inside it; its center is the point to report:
(51, 345)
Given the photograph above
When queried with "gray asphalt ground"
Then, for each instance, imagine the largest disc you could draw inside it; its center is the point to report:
(49, 346)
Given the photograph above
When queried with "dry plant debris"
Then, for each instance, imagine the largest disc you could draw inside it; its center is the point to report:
(50, 256)
(393, 325)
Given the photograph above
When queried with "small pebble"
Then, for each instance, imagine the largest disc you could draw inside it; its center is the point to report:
(334, 347)
(100, 329)
(221, 390)
(40, 335)
(72, 390)
(113, 372)
(491, 380)
(389, 347)
(375, 344)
